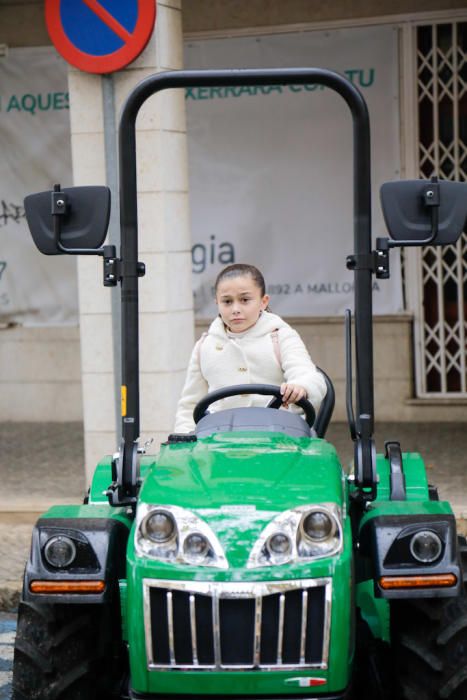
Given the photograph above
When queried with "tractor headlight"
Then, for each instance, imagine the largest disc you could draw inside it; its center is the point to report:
(159, 526)
(170, 533)
(301, 534)
(60, 551)
(317, 526)
(318, 533)
(279, 547)
(196, 548)
(426, 546)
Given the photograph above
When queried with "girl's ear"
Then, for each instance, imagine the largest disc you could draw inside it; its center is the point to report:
(264, 302)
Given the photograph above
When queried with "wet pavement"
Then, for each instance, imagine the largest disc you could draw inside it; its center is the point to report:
(7, 637)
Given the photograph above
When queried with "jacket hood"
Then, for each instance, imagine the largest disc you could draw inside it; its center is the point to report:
(266, 323)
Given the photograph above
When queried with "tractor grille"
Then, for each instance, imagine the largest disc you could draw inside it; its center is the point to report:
(277, 625)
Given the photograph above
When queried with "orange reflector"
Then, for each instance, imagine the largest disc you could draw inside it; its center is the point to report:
(67, 586)
(426, 581)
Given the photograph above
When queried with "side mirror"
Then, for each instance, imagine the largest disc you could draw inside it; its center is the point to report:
(424, 212)
(73, 220)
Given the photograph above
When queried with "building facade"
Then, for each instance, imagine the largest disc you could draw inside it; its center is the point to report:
(70, 373)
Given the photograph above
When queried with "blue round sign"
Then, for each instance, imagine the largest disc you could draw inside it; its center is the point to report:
(100, 36)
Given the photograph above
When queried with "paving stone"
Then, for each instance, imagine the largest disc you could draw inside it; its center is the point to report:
(41, 460)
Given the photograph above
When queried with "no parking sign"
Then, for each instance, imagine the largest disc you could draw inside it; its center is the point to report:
(100, 36)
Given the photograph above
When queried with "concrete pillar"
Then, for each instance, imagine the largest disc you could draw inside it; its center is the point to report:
(166, 308)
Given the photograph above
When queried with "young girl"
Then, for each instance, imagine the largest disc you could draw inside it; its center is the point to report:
(247, 344)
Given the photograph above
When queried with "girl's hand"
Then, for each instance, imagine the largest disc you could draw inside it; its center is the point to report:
(291, 393)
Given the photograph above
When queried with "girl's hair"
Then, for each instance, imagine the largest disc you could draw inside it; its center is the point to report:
(239, 270)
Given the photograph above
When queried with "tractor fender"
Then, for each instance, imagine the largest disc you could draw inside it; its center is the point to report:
(384, 548)
(100, 545)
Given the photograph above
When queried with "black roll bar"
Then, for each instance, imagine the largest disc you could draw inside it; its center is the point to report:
(129, 246)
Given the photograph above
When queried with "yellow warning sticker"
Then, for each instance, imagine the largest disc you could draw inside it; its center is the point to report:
(123, 401)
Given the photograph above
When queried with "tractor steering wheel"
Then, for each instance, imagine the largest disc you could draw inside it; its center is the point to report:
(263, 389)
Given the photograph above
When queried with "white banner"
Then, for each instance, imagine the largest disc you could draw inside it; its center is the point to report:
(35, 146)
(271, 167)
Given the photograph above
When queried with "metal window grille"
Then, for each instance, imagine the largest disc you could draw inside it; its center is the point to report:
(441, 59)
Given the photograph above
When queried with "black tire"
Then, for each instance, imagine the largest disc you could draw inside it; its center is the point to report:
(373, 669)
(429, 639)
(66, 652)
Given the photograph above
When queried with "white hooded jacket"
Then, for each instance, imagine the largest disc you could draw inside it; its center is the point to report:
(220, 359)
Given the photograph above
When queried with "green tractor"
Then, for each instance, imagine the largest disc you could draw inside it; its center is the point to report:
(243, 561)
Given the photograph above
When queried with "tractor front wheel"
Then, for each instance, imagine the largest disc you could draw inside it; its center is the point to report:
(429, 639)
(66, 652)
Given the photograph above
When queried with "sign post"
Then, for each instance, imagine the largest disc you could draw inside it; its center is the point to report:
(101, 37)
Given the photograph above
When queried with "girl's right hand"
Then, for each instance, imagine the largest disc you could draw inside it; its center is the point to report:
(291, 393)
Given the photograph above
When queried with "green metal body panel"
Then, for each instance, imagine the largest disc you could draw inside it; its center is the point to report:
(270, 472)
(102, 477)
(238, 483)
(262, 474)
(407, 508)
(418, 500)
(415, 477)
(254, 682)
(375, 611)
(90, 511)
(123, 588)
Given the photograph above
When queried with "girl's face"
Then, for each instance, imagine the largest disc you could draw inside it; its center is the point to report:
(240, 302)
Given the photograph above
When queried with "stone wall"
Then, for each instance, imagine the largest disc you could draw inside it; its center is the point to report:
(40, 374)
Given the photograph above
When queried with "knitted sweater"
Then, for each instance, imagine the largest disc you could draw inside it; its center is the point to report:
(220, 359)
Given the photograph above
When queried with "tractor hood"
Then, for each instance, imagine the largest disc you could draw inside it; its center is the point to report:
(231, 487)
(270, 472)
